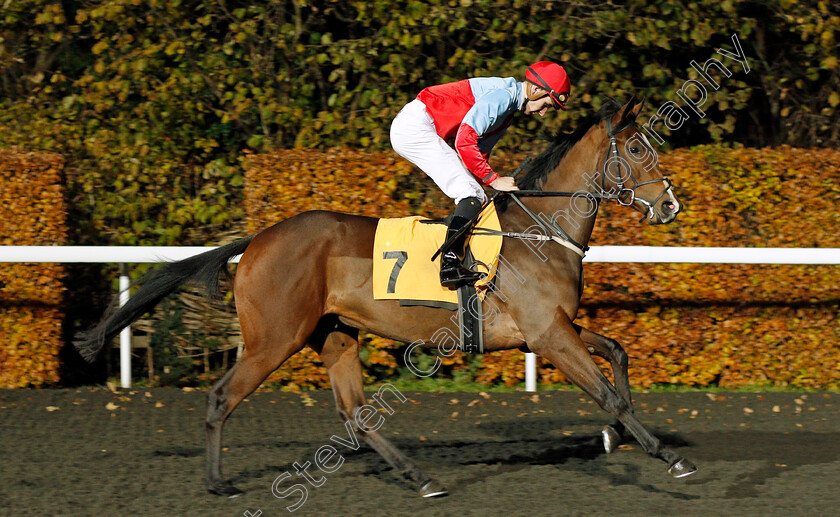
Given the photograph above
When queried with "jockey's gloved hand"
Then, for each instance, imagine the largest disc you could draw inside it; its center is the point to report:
(504, 184)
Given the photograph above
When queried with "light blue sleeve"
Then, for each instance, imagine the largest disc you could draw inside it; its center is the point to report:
(489, 110)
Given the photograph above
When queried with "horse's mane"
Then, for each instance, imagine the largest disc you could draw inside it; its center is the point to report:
(539, 169)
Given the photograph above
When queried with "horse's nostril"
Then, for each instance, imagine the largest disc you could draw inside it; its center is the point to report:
(669, 207)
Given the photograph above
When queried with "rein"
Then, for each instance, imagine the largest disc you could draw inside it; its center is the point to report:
(553, 232)
(625, 197)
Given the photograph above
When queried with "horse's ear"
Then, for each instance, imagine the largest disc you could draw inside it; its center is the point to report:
(632, 108)
(625, 111)
(640, 104)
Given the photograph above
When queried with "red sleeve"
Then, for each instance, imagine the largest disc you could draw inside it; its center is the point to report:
(466, 144)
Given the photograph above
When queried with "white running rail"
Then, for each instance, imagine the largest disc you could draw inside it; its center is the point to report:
(617, 254)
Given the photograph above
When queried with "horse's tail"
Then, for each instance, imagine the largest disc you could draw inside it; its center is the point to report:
(157, 285)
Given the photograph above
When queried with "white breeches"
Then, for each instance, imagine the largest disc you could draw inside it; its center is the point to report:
(413, 137)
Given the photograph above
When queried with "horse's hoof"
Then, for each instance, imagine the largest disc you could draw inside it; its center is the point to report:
(225, 489)
(682, 468)
(611, 438)
(433, 489)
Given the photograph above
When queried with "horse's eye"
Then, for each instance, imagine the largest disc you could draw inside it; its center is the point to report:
(635, 150)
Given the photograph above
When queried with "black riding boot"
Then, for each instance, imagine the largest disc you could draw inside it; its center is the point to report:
(452, 271)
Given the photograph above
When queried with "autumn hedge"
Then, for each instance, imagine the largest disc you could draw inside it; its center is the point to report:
(32, 212)
(284, 183)
(728, 325)
(724, 325)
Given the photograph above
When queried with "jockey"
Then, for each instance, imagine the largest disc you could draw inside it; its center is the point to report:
(474, 113)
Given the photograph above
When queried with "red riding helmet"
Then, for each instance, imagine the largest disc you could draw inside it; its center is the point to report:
(552, 78)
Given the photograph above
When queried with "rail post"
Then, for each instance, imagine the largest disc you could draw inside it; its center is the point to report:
(125, 334)
(530, 371)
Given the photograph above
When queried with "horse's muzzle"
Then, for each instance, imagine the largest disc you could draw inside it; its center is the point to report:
(668, 211)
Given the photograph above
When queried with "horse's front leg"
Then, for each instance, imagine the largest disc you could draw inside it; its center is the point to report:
(560, 343)
(610, 350)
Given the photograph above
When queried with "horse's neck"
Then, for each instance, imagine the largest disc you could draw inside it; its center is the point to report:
(576, 173)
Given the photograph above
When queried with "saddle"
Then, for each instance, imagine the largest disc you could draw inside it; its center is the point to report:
(403, 269)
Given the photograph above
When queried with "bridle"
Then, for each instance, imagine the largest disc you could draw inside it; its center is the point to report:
(626, 196)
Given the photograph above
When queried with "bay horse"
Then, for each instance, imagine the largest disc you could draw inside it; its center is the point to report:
(306, 281)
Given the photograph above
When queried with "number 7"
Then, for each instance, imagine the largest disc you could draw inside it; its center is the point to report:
(401, 257)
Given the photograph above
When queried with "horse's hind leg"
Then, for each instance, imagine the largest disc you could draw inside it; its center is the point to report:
(340, 353)
(610, 350)
(239, 382)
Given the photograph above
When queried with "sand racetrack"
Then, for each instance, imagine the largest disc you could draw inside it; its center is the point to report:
(141, 453)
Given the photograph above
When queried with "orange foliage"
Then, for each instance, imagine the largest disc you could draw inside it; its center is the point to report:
(730, 325)
(32, 213)
(284, 183)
